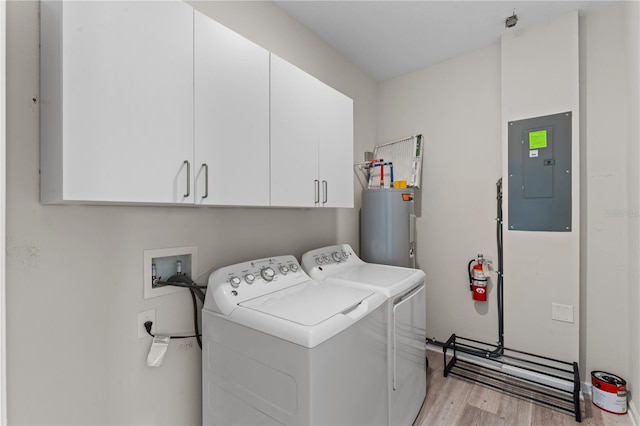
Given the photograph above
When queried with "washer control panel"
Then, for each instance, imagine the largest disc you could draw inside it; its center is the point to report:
(231, 285)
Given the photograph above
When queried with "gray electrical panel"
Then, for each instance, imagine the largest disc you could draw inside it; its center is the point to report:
(540, 171)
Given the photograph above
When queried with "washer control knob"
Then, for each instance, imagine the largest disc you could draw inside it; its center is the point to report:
(326, 259)
(249, 278)
(283, 269)
(345, 254)
(268, 273)
(234, 281)
(319, 260)
(337, 256)
(293, 267)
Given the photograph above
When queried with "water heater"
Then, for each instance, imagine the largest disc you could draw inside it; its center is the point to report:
(387, 226)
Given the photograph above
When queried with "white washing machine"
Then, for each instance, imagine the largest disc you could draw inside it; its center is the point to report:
(405, 320)
(280, 348)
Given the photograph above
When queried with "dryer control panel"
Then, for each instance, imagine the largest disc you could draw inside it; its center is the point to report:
(329, 260)
(332, 256)
(231, 285)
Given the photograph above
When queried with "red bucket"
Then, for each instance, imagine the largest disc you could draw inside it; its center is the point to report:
(609, 392)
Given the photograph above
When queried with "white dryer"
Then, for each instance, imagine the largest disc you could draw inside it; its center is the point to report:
(282, 348)
(404, 326)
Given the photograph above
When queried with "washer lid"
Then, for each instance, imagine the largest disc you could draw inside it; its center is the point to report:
(309, 303)
(390, 280)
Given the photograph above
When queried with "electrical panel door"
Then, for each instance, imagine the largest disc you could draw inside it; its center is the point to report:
(540, 173)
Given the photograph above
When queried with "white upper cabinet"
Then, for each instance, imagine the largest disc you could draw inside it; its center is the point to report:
(153, 102)
(117, 102)
(335, 145)
(294, 136)
(231, 117)
(311, 140)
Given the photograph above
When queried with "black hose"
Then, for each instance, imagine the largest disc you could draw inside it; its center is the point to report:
(195, 317)
(196, 291)
(470, 275)
(499, 238)
(186, 282)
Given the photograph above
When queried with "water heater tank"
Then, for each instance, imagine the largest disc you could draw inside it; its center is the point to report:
(386, 226)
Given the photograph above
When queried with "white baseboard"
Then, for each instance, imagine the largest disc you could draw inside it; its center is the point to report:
(633, 413)
(434, 348)
(586, 388)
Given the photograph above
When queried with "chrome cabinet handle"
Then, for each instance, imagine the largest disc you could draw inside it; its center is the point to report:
(325, 191)
(188, 179)
(206, 180)
(317, 185)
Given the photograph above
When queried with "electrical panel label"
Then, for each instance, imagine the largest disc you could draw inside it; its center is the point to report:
(538, 140)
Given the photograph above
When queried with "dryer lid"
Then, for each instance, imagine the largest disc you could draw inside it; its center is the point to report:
(309, 303)
(380, 275)
(390, 280)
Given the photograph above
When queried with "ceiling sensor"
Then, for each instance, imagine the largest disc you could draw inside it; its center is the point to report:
(511, 21)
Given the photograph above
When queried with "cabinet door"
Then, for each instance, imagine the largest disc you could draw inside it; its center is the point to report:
(335, 147)
(125, 94)
(294, 136)
(231, 117)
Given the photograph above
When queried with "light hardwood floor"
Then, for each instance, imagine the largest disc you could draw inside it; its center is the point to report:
(452, 401)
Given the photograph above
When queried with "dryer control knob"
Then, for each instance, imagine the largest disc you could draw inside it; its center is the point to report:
(319, 260)
(326, 259)
(234, 281)
(293, 267)
(268, 274)
(249, 278)
(337, 256)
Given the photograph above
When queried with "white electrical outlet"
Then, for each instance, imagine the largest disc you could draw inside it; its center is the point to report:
(143, 317)
(561, 312)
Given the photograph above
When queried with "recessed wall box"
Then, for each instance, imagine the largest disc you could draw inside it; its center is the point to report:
(165, 262)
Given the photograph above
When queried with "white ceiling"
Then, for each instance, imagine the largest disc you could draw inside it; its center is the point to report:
(386, 39)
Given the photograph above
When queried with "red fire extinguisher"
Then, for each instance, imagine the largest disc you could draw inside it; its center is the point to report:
(478, 279)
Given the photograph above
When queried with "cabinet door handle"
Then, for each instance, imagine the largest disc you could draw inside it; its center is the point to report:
(325, 191)
(317, 185)
(206, 180)
(188, 179)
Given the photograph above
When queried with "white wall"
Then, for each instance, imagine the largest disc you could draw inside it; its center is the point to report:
(610, 96)
(540, 72)
(74, 273)
(456, 106)
(632, 41)
(3, 162)
(607, 209)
